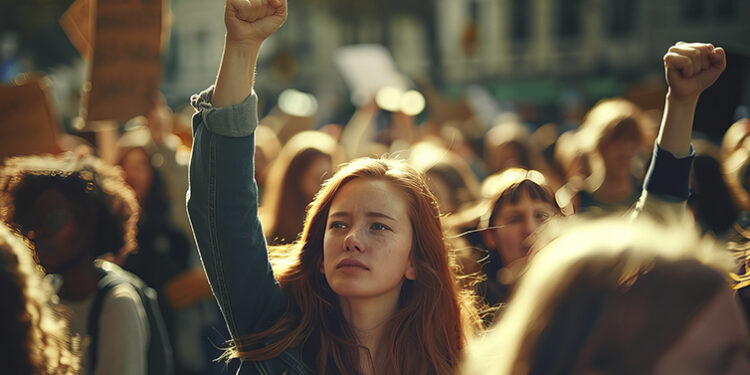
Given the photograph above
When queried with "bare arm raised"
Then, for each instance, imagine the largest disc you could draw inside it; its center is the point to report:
(690, 68)
(248, 24)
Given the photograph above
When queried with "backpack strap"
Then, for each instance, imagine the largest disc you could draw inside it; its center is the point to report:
(106, 284)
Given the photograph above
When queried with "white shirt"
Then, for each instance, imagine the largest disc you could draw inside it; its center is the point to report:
(123, 332)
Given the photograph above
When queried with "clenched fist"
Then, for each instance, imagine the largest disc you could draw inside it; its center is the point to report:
(690, 68)
(250, 22)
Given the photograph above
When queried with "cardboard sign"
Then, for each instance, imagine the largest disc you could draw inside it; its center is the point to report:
(76, 22)
(29, 124)
(126, 64)
(367, 68)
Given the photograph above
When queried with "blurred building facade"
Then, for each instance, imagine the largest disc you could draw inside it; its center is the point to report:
(455, 42)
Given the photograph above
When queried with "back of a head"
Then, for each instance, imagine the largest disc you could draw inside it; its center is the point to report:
(449, 176)
(609, 296)
(289, 187)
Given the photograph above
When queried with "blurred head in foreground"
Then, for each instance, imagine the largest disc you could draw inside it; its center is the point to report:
(616, 297)
(34, 340)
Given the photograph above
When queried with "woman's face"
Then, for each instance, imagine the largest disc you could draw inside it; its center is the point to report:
(138, 172)
(368, 240)
(715, 342)
(55, 232)
(513, 223)
(618, 154)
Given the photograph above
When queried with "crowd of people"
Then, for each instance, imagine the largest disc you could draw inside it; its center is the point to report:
(618, 247)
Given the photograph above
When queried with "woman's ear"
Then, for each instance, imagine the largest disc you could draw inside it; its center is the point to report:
(411, 271)
(488, 240)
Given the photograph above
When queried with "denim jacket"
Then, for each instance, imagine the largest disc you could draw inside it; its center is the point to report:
(222, 204)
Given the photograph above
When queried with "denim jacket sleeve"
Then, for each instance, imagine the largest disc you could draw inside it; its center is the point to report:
(222, 203)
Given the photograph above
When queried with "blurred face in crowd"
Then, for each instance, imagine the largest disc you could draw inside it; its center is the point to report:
(55, 231)
(715, 342)
(442, 193)
(138, 172)
(507, 155)
(513, 223)
(314, 174)
(618, 151)
(368, 240)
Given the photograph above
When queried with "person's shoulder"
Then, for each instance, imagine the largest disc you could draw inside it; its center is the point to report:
(122, 298)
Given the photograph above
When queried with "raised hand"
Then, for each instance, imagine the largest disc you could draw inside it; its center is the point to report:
(690, 68)
(249, 23)
(252, 21)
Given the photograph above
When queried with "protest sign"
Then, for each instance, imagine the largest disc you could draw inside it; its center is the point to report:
(76, 22)
(29, 124)
(126, 62)
(367, 68)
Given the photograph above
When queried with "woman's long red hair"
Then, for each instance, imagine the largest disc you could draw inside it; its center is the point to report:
(427, 333)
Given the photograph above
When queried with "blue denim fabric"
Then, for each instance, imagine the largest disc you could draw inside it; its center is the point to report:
(222, 204)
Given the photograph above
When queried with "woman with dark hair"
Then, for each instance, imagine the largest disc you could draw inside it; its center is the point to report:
(35, 339)
(367, 289)
(514, 204)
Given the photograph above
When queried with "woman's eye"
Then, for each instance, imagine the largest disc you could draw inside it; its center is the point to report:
(379, 226)
(542, 218)
(337, 225)
(514, 219)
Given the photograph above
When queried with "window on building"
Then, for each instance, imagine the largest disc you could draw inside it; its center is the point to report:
(621, 16)
(569, 17)
(474, 11)
(693, 10)
(520, 20)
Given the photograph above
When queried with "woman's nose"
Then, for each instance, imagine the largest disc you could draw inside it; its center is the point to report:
(352, 242)
(529, 226)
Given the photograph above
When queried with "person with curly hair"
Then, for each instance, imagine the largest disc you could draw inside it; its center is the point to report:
(35, 339)
(74, 211)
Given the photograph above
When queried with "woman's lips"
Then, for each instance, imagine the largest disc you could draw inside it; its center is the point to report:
(351, 263)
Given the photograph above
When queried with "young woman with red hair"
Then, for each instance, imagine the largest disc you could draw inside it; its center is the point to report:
(368, 288)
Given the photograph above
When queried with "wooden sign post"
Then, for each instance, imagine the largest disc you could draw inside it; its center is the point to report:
(29, 124)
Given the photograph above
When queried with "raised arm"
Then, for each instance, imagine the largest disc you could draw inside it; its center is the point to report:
(248, 23)
(223, 197)
(690, 68)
